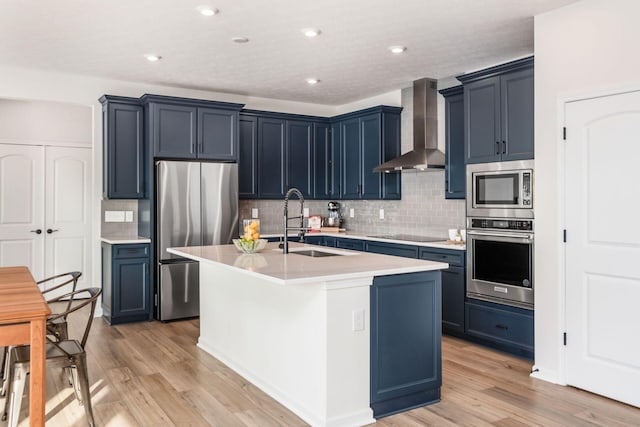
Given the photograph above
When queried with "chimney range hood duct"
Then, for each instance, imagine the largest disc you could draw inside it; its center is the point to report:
(425, 154)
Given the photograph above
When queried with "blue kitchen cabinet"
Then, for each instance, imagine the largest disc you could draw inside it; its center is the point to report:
(123, 148)
(126, 293)
(271, 158)
(453, 287)
(248, 157)
(454, 169)
(406, 360)
(498, 112)
(326, 177)
(299, 159)
(500, 326)
(407, 251)
(367, 139)
(181, 128)
(351, 244)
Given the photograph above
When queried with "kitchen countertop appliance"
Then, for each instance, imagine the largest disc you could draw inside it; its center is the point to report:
(196, 205)
(334, 218)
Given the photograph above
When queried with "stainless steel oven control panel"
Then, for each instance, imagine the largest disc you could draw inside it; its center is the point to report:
(500, 224)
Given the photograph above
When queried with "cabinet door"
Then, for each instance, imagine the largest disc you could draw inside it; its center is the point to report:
(299, 159)
(174, 131)
(516, 92)
(406, 365)
(217, 134)
(455, 169)
(130, 287)
(323, 160)
(406, 251)
(391, 182)
(351, 164)
(248, 157)
(271, 146)
(371, 153)
(123, 151)
(453, 294)
(482, 121)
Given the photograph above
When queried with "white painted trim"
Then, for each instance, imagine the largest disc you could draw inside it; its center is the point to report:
(52, 143)
(349, 283)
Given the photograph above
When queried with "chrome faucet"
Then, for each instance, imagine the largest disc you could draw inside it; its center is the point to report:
(286, 218)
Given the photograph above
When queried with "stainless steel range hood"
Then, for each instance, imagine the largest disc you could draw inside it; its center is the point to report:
(425, 154)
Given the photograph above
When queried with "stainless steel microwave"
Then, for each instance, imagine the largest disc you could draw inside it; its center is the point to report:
(500, 189)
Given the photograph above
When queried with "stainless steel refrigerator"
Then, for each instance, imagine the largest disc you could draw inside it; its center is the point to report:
(196, 205)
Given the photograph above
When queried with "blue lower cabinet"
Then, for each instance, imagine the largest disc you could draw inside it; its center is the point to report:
(499, 326)
(352, 244)
(406, 361)
(406, 251)
(126, 293)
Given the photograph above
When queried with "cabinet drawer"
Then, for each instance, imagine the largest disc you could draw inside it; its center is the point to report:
(130, 251)
(452, 257)
(406, 251)
(355, 245)
(512, 328)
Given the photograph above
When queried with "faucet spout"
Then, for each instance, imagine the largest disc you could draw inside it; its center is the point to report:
(301, 229)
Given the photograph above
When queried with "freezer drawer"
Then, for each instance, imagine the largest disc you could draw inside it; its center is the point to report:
(179, 292)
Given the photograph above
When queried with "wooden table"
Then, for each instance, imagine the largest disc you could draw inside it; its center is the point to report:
(23, 316)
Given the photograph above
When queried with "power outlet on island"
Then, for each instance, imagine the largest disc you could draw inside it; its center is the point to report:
(357, 320)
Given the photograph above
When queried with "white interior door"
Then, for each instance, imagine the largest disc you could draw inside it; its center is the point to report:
(22, 207)
(603, 245)
(68, 212)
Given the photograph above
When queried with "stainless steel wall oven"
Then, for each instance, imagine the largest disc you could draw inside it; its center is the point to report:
(500, 260)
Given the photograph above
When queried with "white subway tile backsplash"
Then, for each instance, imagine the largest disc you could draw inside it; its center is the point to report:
(423, 210)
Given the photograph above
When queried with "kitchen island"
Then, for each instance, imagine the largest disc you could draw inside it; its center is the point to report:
(300, 327)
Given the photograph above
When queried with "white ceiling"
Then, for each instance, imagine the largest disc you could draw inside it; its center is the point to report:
(108, 38)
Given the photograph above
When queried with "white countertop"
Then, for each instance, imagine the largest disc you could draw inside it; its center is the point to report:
(295, 269)
(444, 244)
(122, 240)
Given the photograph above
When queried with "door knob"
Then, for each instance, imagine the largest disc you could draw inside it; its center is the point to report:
(49, 231)
(37, 231)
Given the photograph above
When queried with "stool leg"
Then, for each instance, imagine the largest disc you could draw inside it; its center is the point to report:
(83, 377)
(5, 370)
(17, 389)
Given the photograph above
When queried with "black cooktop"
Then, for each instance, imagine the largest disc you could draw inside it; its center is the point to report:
(409, 238)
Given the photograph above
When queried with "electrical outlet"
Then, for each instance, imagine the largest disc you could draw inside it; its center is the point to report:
(381, 213)
(113, 216)
(305, 213)
(254, 212)
(128, 216)
(352, 213)
(357, 320)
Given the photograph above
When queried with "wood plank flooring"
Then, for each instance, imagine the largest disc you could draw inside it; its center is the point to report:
(152, 374)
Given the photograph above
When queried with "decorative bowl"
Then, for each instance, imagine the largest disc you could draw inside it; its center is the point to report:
(250, 246)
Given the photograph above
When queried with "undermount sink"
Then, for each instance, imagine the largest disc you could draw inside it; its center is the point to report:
(314, 253)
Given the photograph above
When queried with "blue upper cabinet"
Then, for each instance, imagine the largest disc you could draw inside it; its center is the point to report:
(498, 113)
(123, 145)
(271, 158)
(455, 171)
(192, 129)
(299, 157)
(367, 139)
(326, 177)
(248, 157)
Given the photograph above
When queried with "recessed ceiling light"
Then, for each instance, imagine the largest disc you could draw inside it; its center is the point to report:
(152, 57)
(397, 49)
(311, 32)
(240, 39)
(207, 10)
(313, 81)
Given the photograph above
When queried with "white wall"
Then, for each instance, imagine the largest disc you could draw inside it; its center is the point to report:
(585, 49)
(25, 84)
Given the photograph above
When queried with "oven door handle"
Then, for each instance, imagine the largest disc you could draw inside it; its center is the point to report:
(523, 236)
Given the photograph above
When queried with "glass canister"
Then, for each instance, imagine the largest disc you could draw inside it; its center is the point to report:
(250, 229)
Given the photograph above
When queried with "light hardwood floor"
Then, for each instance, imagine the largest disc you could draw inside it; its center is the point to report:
(152, 374)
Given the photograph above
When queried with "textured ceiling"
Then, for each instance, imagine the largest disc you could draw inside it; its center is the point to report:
(351, 58)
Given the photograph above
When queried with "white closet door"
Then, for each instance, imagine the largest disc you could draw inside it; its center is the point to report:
(603, 245)
(67, 212)
(22, 207)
